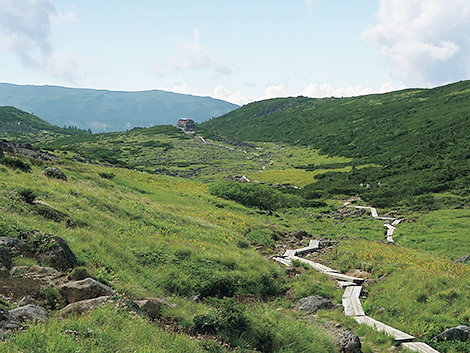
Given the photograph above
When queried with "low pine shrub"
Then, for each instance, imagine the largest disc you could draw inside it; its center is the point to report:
(15, 163)
(28, 195)
(107, 175)
(261, 196)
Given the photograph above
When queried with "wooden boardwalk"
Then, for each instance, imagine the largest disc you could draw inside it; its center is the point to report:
(351, 297)
(419, 347)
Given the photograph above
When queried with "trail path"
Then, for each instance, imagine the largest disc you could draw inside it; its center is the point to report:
(351, 297)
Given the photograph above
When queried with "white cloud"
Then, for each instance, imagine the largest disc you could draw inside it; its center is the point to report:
(184, 89)
(275, 91)
(220, 92)
(25, 26)
(426, 42)
(193, 57)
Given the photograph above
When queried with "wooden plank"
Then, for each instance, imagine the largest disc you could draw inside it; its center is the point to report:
(285, 262)
(419, 347)
(347, 293)
(352, 307)
(397, 221)
(364, 207)
(341, 277)
(343, 284)
(374, 213)
(307, 249)
(385, 218)
(356, 292)
(352, 292)
(379, 326)
(315, 265)
(290, 253)
(314, 244)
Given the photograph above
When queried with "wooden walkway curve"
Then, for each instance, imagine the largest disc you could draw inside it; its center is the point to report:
(351, 297)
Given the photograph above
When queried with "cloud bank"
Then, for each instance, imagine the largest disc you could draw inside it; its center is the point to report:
(193, 56)
(25, 26)
(426, 42)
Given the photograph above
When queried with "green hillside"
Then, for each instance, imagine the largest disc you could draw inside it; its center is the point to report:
(17, 125)
(159, 236)
(101, 110)
(416, 140)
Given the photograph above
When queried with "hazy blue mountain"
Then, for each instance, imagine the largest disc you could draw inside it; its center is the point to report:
(101, 110)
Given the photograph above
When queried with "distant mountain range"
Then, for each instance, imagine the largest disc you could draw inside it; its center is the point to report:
(108, 111)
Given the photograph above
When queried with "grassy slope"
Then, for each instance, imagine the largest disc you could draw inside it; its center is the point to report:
(150, 235)
(17, 125)
(417, 138)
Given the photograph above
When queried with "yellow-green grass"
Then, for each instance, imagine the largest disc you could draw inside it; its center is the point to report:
(417, 293)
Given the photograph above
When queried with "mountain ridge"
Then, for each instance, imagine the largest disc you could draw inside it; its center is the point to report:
(109, 111)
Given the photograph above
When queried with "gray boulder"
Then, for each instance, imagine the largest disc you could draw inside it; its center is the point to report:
(54, 173)
(5, 258)
(83, 306)
(459, 333)
(59, 257)
(4, 315)
(18, 271)
(348, 342)
(28, 313)
(4, 273)
(463, 259)
(299, 234)
(15, 244)
(313, 304)
(85, 289)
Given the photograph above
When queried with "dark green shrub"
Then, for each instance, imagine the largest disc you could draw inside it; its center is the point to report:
(79, 273)
(242, 244)
(15, 163)
(107, 175)
(53, 298)
(262, 237)
(28, 195)
(256, 195)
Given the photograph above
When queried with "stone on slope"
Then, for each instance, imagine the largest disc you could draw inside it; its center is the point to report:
(313, 304)
(85, 289)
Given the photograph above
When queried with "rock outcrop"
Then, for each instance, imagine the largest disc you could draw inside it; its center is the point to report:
(348, 342)
(54, 173)
(313, 304)
(459, 333)
(88, 288)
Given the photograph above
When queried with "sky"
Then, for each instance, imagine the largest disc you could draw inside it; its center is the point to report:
(239, 51)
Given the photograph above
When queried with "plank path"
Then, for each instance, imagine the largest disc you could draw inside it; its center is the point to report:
(351, 297)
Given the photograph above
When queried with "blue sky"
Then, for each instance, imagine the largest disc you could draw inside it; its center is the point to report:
(238, 51)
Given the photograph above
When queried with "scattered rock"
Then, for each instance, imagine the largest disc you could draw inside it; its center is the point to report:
(15, 244)
(46, 274)
(83, 306)
(459, 333)
(27, 300)
(5, 258)
(463, 259)
(314, 303)
(299, 234)
(59, 257)
(18, 271)
(4, 273)
(28, 313)
(54, 173)
(85, 289)
(348, 342)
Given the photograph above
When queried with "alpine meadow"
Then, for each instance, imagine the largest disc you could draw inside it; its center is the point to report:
(211, 240)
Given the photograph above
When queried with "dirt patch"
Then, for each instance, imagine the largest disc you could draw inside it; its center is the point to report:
(17, 288)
